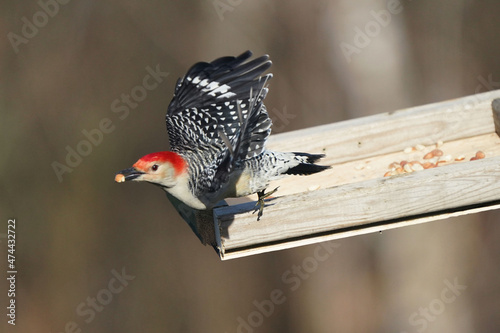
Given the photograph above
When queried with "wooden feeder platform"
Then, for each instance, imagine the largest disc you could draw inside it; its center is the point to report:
(369, 188)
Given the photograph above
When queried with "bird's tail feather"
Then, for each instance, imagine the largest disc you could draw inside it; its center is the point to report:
(307, 166)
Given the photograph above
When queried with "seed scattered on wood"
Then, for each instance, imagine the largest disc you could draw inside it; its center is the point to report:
(434, 153)
(437, 152)
(446, 158)
(419, 147)
(408, 150)
(432, 159)
(428, 165)
(417, 167)
(480, 155)
(428, 156)
(393, 165)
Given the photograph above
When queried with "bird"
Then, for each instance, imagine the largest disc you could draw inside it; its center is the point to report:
(218, 126)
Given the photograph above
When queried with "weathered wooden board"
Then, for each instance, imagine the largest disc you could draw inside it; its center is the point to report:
(354, 197)
(393, 131)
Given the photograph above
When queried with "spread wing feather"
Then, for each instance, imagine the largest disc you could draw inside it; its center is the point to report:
(217, 115)
(205, 100)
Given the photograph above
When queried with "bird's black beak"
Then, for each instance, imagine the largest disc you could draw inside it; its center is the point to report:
(127, 174)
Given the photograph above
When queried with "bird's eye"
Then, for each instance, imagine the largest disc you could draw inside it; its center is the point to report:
(154, 167)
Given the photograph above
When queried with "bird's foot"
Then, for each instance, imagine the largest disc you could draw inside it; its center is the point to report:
(259, 206)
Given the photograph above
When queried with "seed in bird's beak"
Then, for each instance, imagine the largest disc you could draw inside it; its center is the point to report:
(119, 178)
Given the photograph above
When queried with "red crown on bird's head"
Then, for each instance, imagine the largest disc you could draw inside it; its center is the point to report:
(145, 162)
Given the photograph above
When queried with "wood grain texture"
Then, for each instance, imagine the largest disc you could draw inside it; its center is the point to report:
(393, 131)
(354, 198)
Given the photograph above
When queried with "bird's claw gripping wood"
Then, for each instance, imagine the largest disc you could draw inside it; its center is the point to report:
(259, 205)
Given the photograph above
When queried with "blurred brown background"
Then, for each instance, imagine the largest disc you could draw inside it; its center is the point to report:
(77, 233)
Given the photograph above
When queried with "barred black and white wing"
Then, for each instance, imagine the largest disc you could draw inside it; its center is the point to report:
(217, 116)
(206, 98)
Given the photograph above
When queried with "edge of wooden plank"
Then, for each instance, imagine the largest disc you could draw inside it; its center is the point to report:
(344, 233)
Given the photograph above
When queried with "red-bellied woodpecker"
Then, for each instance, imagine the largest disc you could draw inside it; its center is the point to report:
(218, 126)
